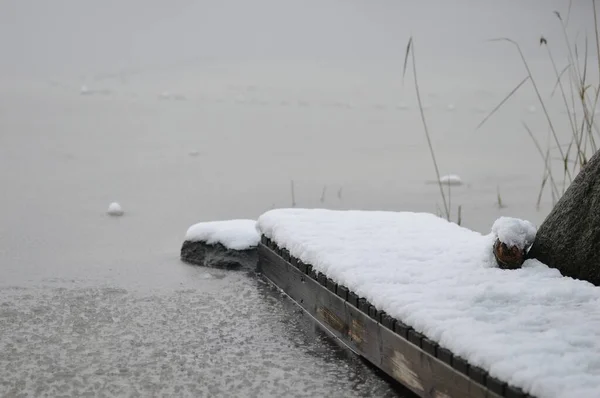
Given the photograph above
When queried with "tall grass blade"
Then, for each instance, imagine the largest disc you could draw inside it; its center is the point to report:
(513, 91)
(411, 48)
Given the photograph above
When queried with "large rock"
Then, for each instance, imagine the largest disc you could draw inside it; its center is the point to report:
(218, 256)
(569, 238)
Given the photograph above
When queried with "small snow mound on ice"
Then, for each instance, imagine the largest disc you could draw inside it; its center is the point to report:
(532, 109)
(115, 209)
(451, 179)
(233, 234)
(84, 90)
(514, 232)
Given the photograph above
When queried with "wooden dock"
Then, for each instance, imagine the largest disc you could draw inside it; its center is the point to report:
(401, 352)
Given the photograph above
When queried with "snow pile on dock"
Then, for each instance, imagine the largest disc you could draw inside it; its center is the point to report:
(530, 327)
(233, 234)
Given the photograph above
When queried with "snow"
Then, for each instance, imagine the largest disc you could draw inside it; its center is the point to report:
(514, 232)
(115, 209)
(451, 179)
(530, 327)
(233, 234)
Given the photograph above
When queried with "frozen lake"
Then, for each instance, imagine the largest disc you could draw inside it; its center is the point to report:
(194, 111)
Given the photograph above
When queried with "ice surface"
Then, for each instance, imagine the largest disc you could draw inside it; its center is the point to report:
(451, 179)
(228, 336)
(514, 232)
(530, 327)
(233, 234)
(115, 209)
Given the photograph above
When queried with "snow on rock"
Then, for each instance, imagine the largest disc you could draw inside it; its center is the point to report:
(530, 327)
(514, 232)
(233, 234)
(451, 179)
(115, 209)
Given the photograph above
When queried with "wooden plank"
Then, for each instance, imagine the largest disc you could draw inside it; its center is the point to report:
(295, 284)
(385, 344)
(495, 385)
(342, 292)
(363, 334)
(415, 337)
(331, 286)
(424, 374)
(429, 346)
(387, 321)
(353, 298)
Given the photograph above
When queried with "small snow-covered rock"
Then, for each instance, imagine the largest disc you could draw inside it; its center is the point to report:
(451, 179)
(233, 234)
(222, 244)
(514, 232)
(115, 209)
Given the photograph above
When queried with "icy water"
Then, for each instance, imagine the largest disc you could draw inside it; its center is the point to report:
(193, 111)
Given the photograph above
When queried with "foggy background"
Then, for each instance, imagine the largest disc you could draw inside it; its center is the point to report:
(189, 111)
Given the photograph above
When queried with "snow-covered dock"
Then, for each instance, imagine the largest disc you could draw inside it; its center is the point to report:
(424, 300)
